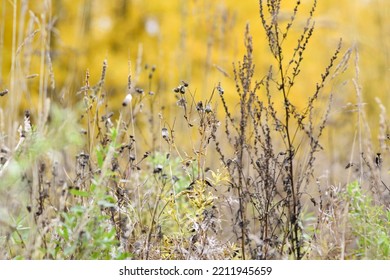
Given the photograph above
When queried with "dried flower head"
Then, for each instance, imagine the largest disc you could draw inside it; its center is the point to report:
(3, 92)
(164, 133)
(199, 106)
(181, 102)
(158, 169)
(208, 108)
(220, 89)
(127, 100)
(182, 89)
(139, 90)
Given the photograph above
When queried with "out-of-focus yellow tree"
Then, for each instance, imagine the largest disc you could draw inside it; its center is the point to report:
(196, 41)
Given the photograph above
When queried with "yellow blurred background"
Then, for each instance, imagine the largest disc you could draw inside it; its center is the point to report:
(192, 40)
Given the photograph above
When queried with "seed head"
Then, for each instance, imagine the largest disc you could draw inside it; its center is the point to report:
(208, 108)
(158, 169)
(127, 100)
(164, 133)
(3, 92)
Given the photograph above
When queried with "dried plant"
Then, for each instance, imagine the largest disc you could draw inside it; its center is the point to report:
(269, 171)
(146, 179)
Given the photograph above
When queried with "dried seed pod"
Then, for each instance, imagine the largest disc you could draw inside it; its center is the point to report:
(107, 116)
(146, 154)
(127, 100)
(199, 106)
(164, 133)
(182, 89)
(3, 92)
(157, 169)
(378, 160)
(139, 90)
(220, 89)
(208, 108)
(108, 123)
(181, 102)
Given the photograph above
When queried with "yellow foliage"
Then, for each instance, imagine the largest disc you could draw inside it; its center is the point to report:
(196, 41)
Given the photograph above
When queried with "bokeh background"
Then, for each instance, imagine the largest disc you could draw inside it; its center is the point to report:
(196, 41)
(193, 40)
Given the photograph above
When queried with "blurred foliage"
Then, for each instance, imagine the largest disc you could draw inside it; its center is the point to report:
(370, 224)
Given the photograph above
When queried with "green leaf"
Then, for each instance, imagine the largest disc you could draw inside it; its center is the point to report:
(77, 209)
(105, 203)
(100, 154)
(64, 233)
(79, 193)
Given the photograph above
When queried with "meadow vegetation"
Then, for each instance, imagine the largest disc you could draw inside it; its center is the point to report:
(257, 168)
